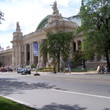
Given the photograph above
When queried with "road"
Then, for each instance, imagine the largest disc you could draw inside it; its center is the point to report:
(57, 91)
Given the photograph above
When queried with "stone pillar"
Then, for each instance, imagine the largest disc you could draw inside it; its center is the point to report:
(39, 57)
(76, 45)
(19, 56)
(47, 64)
(25, 56)
(71, 50)
(30, 53)
(16, 56)
(95, 57)
(103, 58)
(13, 57)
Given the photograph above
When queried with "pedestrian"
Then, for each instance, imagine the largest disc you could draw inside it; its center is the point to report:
(102, 70)
(99, 69)
(106, 70)
(54, 66)
(69, 69)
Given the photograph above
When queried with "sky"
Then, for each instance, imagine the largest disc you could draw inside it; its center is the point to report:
(29, 13)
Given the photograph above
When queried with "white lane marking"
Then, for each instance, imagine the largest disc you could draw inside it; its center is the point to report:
(84, 94)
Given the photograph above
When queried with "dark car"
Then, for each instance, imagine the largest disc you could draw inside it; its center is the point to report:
(27, 70)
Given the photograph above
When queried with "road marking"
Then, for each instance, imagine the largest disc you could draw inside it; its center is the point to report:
(84, 94)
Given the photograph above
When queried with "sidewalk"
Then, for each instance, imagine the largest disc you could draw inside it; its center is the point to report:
(78, 73)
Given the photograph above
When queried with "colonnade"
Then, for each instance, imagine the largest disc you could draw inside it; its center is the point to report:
(24, 55)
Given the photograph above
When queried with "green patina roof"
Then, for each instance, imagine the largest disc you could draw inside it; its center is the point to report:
(43, 22)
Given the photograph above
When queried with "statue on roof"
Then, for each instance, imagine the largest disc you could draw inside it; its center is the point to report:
(55, 9)
(18, 27)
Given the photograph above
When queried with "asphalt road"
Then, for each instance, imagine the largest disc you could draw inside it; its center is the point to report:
(58, 91)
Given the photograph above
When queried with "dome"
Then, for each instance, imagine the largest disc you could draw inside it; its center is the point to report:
(43, 23)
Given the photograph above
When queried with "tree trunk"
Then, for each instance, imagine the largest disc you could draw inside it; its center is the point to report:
(108, 63)
(59, 63)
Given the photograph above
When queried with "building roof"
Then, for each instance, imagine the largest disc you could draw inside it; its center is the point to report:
(75, 19)
(43, 23)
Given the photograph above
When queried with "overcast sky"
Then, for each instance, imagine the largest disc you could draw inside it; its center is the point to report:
(29, 13)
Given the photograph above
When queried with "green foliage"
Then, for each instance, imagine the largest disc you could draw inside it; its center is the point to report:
(0, 63)
(95, 16)
(32, 66)
(57, 45)
(6, 104)
(78, 58)
(44, 50)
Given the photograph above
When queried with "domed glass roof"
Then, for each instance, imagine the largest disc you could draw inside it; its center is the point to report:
(43, 23)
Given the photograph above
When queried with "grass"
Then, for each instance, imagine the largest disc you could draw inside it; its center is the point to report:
(6, 104)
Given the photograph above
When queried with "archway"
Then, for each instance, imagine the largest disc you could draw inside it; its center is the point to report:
(28, 54)
(74, 46)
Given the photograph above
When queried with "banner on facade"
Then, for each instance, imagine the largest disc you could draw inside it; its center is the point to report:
(35, 49)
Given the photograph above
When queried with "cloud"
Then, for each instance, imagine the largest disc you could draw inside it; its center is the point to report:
(29, 13)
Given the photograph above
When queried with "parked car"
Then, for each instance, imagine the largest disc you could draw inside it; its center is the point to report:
(24, 71)
(3, 70)
(20, 70)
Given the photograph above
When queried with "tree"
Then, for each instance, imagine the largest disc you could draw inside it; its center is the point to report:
(95, 16)
(79, 58)
(57, 45)
(0, 63)
(1, 16)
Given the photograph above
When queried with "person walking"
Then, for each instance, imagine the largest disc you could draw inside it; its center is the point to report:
(106, 70)
(102, 70)
(99, 69)
(54, 66)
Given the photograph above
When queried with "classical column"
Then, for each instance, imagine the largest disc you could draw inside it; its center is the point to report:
(30, 53)
(16, 56)
(47, 64)
(25, 56)
(77, 45)
(71, 50)
(13, 56)
(103, 58)
(95, 57)
(19, 56)
(39, 57)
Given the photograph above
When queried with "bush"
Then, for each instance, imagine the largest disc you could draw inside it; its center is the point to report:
(32, 66)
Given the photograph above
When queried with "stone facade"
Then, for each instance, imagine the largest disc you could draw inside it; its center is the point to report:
(6, 57)
(22, 45)
(22, 54)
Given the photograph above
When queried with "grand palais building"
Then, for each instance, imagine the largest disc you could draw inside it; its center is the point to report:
(25, 48)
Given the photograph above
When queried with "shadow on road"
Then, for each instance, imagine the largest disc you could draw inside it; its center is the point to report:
(55, 106)
(11, 86)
